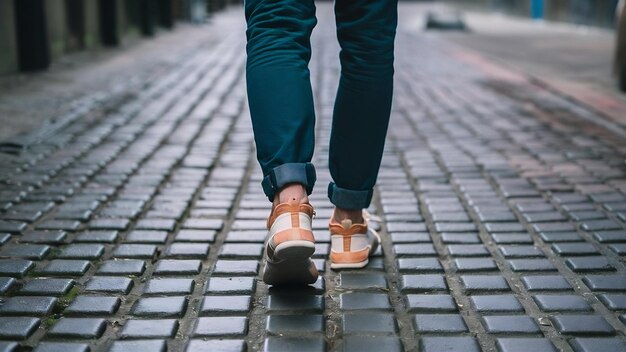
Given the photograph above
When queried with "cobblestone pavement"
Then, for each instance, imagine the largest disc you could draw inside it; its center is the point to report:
(140, 226)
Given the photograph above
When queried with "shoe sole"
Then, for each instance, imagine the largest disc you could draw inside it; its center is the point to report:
(358, 265)
(291, 265)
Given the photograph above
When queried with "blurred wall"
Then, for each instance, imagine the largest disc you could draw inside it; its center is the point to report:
(34, 33)
(8, 45)
(599, 13)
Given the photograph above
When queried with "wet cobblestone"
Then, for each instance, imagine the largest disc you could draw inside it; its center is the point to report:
(503, 208)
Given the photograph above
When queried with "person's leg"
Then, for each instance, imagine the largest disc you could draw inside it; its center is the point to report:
(283, 119)
(366, 32)
(279, 93)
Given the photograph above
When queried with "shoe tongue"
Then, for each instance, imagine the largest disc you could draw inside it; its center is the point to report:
(347, 223)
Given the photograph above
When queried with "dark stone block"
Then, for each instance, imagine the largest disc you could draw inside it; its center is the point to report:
(202, 236)
(496, 227)
(197, 345)
(550, 237)
(448, 344)
(231, 285)
(614, 302)
(362, 281)
(359, 301)
(178, 267)
(29, 251)
(489, 283)
(597, 344)
(605, 282)
(582, 325)
(122, 267)
(12, 227)
(294, 301)
(113, 285)
(61, 346)
(531, 265)
(15, 267)
(160, 307)
(301, 344)
(513, 344)
(156, 224)
(149, 329)
(78, 328)
(65, 267)
(212, 305)
(423, 283)
(169, 287)
(82, 251)
(47, 237)
(93, 305)
(285, 324)
(144, 236)
(25, 305)
(17, 327)
(203, 224)
(585, 264)
(359, 323)
(414, 250)
(561, 303)
(419, 265)
(187, 250)
(119, 224)
(236, 267)
(520, 251)
(431, 303)
(247, 250)
(97, 237)
(461, 238)
(512, 238)
(496, 303)
(47, 287)
(145, 251)
(475, 264)
(220, 326)
(359, 343)
(440, 323)
(139, 346)
(468, 250)
(546, 283)
(6, 283)
(509, 324)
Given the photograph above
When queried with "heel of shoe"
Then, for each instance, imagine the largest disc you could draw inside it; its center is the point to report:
(297, 250)
(290, 272)
(349, 260)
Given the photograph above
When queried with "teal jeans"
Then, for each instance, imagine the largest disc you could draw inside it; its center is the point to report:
(281, 99)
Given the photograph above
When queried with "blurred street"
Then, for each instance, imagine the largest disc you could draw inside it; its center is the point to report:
(134, 220)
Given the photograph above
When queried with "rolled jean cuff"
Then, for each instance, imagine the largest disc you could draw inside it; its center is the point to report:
(348, 199)
(278, 177)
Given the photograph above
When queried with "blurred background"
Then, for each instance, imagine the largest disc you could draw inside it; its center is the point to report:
(55, 51)
(34, 33)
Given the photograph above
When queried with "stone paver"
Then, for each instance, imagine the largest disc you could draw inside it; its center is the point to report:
(142, 228)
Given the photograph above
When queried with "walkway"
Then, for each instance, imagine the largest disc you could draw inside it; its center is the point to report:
(138, 224)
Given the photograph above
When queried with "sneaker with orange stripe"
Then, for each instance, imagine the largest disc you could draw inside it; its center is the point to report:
(352, 244)
(290, 245)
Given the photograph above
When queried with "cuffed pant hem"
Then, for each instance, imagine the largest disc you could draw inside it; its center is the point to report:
(349, 199)
(278, 177)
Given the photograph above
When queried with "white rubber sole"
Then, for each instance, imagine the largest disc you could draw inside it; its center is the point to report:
(358, 265)
(291, 264)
